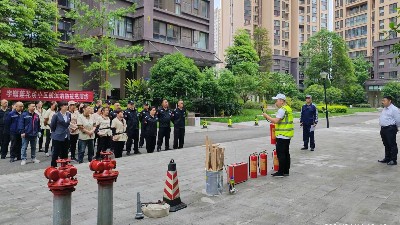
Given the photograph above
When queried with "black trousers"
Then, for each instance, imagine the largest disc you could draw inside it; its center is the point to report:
(48, 140)
(163, 132)
(103, 143)
(133, 136)
(41, 139)
(388, 135)
(16, 145)
(141, 141)
(282, 150)
(4, 142)
(179, 137)
(118, 147)
(150, 143)
(308, 136)
(72, 145)
(60, 150)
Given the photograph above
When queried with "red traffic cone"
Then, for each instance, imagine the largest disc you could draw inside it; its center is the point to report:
(171, 190)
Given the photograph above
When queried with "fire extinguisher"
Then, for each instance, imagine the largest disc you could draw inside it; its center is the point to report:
(262, 160)
(253, 165)
(272, 131)
(275, 160)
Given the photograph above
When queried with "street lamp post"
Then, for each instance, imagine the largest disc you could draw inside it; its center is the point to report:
(324, 75)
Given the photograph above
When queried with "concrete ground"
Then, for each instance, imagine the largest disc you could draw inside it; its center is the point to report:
(341, 182)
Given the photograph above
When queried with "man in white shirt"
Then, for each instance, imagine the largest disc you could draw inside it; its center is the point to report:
(389, 121)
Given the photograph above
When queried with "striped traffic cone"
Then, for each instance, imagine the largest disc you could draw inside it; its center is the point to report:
(171, 190)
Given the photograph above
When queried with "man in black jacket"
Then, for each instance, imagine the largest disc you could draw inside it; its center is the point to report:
(4, 134)
(178, 118)
(164, 121)
(132, 130)
(142, 116)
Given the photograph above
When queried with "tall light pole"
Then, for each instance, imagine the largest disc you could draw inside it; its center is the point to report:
(324, 75)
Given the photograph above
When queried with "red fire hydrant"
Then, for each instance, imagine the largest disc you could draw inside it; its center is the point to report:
(62, 183)
(105, 176)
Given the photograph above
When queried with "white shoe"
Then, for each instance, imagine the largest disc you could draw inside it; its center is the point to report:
(47, 154)
(35, 161)
(23, 162)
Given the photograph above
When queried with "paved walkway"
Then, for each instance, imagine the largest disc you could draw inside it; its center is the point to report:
(341, 182)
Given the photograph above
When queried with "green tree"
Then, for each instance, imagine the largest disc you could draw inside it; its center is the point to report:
(175, 77)
(246, 79)
(355, 95)
(263, 47)
(316, 91)
(333, 95)
(392, 89)
(283, 83)
(27, 46)
(362, 69)
(241, 51)
(94, 25)
(315, 59)
(139, 90)
(264, 87)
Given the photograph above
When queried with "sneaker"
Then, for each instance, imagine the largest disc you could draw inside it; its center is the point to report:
(35, 160)
(40, 150)
(137, 153)
(12, 160)
(74, 160)
(128, 153)
(304, 148)
(47, 154)
(158, 149)
(23, 162)
(312, 149)
(277, 174)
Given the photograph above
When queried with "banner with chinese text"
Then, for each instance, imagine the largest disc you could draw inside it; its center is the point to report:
(20, 94)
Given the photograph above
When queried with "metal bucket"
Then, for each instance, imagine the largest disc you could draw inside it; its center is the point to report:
(214, 182)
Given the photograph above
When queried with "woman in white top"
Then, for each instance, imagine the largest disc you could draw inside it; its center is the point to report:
(96, 116)
(86, 127)
(118, 127)
(103, 131)
(47, 119)
(40, 111)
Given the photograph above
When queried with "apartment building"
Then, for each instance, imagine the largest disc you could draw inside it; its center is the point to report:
(290, 24)
(160, 26)
(364, 25)
(218, 35)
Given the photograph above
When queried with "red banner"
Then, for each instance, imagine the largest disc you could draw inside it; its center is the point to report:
(20, 94)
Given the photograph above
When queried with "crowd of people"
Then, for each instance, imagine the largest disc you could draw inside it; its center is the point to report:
(69, 129)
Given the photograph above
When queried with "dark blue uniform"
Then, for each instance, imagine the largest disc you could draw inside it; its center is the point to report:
(4, 133)
(309, 117)
(11, 124)
(178, 118)
(142, 115)
(150, 132)
(132, 130)
(164, 120)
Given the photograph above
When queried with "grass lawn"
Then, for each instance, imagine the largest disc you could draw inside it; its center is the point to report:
(249, 115)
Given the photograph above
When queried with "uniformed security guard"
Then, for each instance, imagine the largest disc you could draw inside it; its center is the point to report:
(150, 129)
(108, 105)
(117, 106)
(132, 122)
(143, 115)
(308, 120)
(389, 122)
(178, 118)
(284, 131)
(164, 130)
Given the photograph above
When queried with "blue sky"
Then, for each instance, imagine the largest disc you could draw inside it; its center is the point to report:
(217, 4)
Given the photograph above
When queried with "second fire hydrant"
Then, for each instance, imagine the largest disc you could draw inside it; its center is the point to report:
(105, 176)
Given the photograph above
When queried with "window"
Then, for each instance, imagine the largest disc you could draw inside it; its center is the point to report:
(277, 52)
(247, 12)
(392, 34)
(66, 3)
(381, 50)
(393, 20)
(382, 1)
(381, 24)
(186, 36)
(123, 27)
(277, 62)
(65, 29)
(381, 63)
(381, 75)
(382, 11)
(381, 36)
(393, 63)
(393, 75)
(202, 41)
(159, 30)
(173, 33)
(178, 7)
(392, 8)
(204, 8)
(195, 4)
